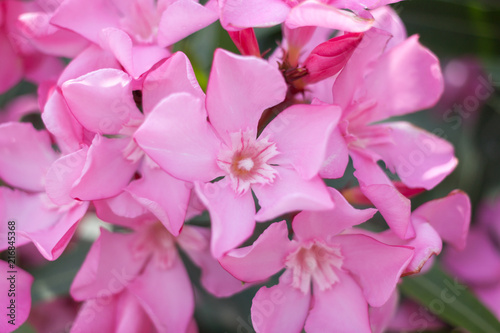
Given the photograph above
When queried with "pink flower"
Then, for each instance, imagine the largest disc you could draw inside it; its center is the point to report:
(139, 279)
(378, 83)
(478, 265)
(103, 105)
(135, 31)
(280, 165)
(235, 15)
(441, 220)
(20, 60)
(331, 276)
(26, 157)
(35, 26)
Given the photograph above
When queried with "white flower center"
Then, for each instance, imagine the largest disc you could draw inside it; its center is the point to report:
(314, 261)
(246, 161)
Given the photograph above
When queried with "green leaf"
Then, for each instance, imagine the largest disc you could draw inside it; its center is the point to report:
(451, 301)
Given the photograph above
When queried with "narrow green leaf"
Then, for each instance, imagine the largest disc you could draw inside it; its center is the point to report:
(451, 301)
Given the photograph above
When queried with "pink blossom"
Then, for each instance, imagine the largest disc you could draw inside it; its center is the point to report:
(235, 15)
(26, 157)
(280, 165)
(441, 220)
(330, 276)
(34, 25)
(377, 84)
(478, 265)
(20, 60)
(135, 31)
(145, 279)
(102, 104)
(444, 220)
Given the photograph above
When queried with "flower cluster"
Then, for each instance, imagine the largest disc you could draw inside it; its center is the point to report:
(129, 133)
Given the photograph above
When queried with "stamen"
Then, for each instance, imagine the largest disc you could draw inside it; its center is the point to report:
(246, 161)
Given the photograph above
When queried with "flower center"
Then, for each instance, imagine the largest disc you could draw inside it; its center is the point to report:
(246, 161)
(314, 261)
(157, 242)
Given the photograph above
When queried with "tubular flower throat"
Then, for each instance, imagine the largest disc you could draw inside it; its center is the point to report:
(314, 262)
(246, 161)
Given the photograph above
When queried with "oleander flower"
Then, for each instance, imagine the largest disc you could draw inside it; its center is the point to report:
(279, 165)
(139, 279)
(379, 82)
(332, 273)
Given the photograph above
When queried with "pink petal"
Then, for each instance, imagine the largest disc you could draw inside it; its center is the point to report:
(336, 158)
(313, 13)
(252, 13)
(342, 308)
(102, 101)
(181, 19)
(11, 66)
(376, 266)
(234, 79)
(355, 196)
(411, 316)
(93, 316)
(38, 220)
(280, 308)
(177, 136)
(231, 215)
(113, 313)
(171, 306)
(425, 244)
(288, 193)
(63, 174)
(110, 265)
(123, 210)
(419, 158)
(394, 207)
(328, 223)
(406, 79)
(450, 216)
(40, 68)
(19, 107)
(387, 19)
(195, 241)
(174, 75)
(268, 252)
(380, 317)
(301, 134)
(59, 120)
(347, 85)
(163, 195)
(87, 19)
(20, 301)
(478, 263)
(25, 155)
(48, 39)
(89, 60)
(105, 164)
(135, 59)
(329, 57)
